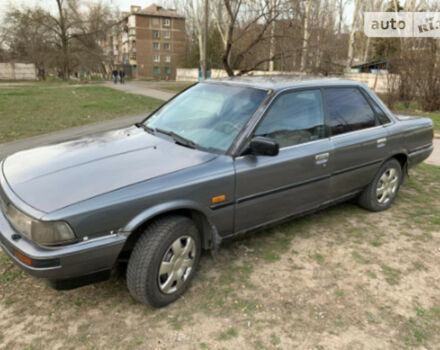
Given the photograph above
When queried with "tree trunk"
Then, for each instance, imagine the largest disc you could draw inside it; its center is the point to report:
(367, 49)
(226, 58)
(229, 34)
(201, 50)
(352, 33)
(341, 16)
(64, 42)
(306, 36)
(272, 36)
(205, 41)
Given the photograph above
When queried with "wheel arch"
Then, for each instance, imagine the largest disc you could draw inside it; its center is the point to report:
(402, 158)
(208, 231)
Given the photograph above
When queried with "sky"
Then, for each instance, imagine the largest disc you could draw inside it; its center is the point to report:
(123, 5)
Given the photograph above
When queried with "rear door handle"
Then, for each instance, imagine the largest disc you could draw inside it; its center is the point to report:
(322, 158)
(381, 142)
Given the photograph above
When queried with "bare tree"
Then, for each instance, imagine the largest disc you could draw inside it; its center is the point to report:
(247, 26)
(27, 40)
(70, 35)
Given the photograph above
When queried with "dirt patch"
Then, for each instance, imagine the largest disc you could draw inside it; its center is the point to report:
(342, 278)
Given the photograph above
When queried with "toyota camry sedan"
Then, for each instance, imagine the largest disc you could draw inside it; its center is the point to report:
(222, 158)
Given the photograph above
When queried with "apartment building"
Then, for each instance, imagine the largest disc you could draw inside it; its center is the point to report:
(149, 42)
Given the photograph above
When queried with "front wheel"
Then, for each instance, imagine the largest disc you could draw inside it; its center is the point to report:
(164, 261)
(382, 191)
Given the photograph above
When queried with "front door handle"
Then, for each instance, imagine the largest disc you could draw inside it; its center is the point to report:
(322, 158)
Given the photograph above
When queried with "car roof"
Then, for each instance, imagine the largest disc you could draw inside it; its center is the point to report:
(281, 82)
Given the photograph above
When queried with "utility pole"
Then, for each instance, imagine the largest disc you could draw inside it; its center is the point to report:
(205, 43)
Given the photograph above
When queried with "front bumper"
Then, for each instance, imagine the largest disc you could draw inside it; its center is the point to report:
(61, 263)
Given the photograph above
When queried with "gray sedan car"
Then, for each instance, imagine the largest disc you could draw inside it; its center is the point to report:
(220, 159)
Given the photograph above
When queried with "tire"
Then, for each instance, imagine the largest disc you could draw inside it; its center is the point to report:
(164, 261)
(389, 178)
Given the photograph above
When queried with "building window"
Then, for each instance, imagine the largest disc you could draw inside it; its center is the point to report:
(166, 46)
(167, 70)
(132, 31)
(155, 21)
(156, 46)
(155, 34)
(166, 22)
(156, 70)
(156, 58)
(166, 34)
(167, 58)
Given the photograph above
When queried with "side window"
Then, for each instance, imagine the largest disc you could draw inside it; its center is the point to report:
(347, 110)
(380, 114)
(294, 118)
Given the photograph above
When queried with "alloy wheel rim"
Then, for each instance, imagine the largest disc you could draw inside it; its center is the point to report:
(387, 186)
(177, 264)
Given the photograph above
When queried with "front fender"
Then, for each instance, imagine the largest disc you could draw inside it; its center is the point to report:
(163, 208)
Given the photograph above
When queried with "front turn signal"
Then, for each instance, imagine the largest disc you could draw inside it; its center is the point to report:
(218, 199)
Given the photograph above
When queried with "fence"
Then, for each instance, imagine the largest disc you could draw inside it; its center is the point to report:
(378, 82)
(17, 71)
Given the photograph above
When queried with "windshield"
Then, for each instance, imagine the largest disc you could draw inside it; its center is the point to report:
(209, 116)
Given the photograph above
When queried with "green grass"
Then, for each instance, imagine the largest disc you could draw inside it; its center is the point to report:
(392, 275)
(370, 318)
(339, 293)
(422, 326)
(228, 334)
(46, 107)
(177, 87)
(436, 119)
(318, 257)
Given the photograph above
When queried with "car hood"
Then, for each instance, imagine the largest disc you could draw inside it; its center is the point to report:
(53, 177)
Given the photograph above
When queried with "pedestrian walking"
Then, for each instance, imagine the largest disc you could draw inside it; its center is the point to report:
(115, 76)
(122, 76)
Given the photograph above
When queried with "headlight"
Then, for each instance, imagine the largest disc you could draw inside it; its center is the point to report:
(41, 232)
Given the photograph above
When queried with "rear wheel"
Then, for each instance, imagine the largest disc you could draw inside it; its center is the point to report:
(382, 191)
(164, 260)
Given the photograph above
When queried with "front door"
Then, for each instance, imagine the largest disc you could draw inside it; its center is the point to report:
(297, 179)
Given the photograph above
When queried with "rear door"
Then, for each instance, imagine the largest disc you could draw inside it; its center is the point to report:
(359, 139)
(297, 179)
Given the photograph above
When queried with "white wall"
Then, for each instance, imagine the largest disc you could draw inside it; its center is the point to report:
(18, 71)
(378, 82)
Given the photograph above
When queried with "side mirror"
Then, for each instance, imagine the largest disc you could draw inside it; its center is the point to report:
(264, 146)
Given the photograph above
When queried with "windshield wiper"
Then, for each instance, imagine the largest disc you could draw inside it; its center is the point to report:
(177, 138)
(146, 128)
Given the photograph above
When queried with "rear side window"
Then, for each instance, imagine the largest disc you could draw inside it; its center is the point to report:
(380, 114)
(347, 110)
(294, 118)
